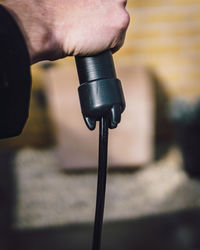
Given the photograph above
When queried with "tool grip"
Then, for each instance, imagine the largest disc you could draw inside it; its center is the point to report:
(100, 91)
(95, 67)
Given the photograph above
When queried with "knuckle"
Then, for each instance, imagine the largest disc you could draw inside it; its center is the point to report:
(124, 20)
(124, 2)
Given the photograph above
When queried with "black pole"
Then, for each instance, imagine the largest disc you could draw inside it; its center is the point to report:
(101, 183)
(101, 99)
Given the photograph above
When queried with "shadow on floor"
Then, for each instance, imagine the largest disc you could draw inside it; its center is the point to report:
(173, 231)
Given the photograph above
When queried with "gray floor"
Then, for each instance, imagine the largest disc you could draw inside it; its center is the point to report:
(156, 207)
(46, 195)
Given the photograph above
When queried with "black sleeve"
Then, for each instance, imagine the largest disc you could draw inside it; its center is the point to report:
(15, 77)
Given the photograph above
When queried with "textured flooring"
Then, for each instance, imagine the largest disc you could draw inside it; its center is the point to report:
(44, 207)
(48, 196)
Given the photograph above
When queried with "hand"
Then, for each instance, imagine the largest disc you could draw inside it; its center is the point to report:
(55, 29)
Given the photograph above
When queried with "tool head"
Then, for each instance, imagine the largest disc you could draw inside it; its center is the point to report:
(100, 91)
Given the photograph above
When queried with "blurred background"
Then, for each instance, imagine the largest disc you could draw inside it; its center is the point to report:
(48, 174)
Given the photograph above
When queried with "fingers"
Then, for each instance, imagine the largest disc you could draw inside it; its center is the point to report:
(124, 22)
(122, 2)
(119, 44)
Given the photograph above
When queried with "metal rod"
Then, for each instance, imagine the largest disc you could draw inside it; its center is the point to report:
(101, 183)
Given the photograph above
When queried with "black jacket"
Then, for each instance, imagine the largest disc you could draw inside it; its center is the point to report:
(15, 77)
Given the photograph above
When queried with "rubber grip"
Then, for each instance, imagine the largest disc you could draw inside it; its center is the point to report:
(100, 91)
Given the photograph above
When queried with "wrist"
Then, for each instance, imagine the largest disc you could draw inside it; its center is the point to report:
(37, 36)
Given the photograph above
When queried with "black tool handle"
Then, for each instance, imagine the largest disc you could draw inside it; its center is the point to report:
(100, 91)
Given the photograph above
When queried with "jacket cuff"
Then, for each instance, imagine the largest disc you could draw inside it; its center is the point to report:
(15, 77)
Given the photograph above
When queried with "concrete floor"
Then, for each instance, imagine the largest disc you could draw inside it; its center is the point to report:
(47, 195)
(155, 207)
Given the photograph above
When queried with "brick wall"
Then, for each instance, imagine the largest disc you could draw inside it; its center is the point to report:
(165, 36)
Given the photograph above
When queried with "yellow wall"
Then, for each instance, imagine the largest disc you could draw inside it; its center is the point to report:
(165, 35)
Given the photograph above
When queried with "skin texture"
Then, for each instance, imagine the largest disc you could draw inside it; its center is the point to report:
(54, 29)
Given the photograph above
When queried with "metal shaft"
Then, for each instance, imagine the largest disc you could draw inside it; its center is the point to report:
(101, 183)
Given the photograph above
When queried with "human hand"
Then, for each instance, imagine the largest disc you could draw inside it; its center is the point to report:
(55, 29)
